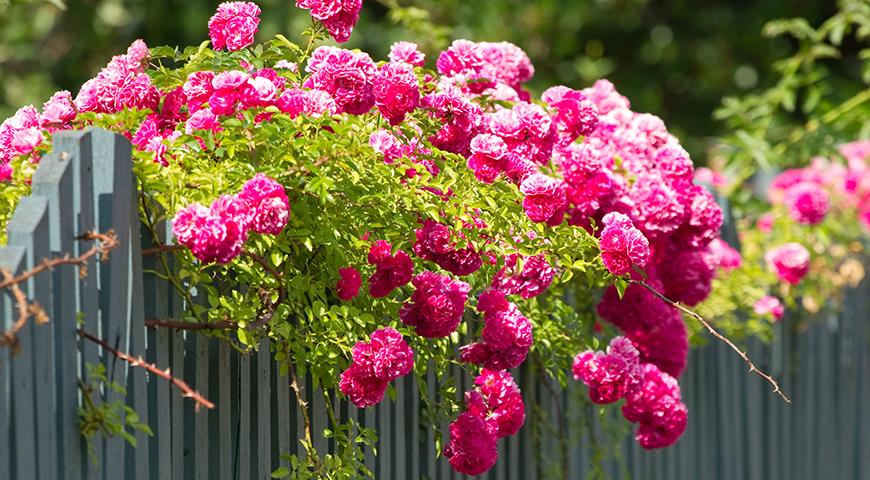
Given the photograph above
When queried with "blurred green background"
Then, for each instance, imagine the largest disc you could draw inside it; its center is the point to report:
(675, 58)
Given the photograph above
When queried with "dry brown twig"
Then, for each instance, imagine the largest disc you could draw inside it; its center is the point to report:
(752, 368)
(106, 242)
(186, 390)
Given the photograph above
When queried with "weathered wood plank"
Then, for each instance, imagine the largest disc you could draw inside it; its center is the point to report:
(177, 406)
(264, 420)
(113, 209)
(75, 146)
(224, 412)
(244, 433)
(28, 229)
(53, 180)
(16, 374)
(158, 299)
(285, 431)
(200, 418)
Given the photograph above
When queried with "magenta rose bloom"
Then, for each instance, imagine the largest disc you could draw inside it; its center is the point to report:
(407, 52)
(657, 408)
(622, 245)
(346, 75)
(807, 203)
(384, 358)
(233, 25)
(472, 449)
(790, 262)
(435, 308)
(544, 199)
(534, 278)
(349, 284)
(655, 328)
(496, 399)
(611, 375)
(391, 271)
(434, 244)
(270, 208)
(575, 114)
(396, 91)
(768, 305)
(506, 336)
(723, 256)
(338, 16)
(216, 234)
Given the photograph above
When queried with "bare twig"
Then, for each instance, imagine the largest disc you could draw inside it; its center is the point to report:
(107, 240)
(26, 310)
(186, 390)
(752, 368)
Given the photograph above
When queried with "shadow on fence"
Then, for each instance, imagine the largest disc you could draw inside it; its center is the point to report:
(738, 429)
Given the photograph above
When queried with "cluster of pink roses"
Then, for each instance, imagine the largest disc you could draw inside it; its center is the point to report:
(376, 363)
(494, 409)
(652, 396)
(506, 336)
(391, 270)
(218, 233)
(808, 195)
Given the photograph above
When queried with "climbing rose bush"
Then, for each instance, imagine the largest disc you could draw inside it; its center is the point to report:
(490, 224)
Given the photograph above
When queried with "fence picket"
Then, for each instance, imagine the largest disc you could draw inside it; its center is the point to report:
(19, 418)
(264, 421)
(54, 181)
(224, 412)
(244, 420)
(33, 368)
(200, 418)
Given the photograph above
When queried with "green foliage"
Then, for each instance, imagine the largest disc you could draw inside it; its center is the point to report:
(99, 416)
(812, 106)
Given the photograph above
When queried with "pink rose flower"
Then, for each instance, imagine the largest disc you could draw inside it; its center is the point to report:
(338, 16)
(612, 375)
(622, 245)
(349, 284)
(790, 262)
(407, 52)
(768, 305)
(384, 358)
(233, 25)
(435, 308)
(268, 204)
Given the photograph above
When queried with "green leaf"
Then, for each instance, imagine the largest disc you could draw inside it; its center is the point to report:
(281, 472)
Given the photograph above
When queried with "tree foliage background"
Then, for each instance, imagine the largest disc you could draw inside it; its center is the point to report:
(675, 58)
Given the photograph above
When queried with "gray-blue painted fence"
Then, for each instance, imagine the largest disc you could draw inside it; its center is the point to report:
(737, 427)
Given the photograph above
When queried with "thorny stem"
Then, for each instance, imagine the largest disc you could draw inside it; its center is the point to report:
(318, 29)
(107, 241)
(303, 405)
(186, 390)
(752, 368)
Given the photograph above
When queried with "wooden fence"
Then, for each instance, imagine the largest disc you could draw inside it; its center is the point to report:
(737, 429)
